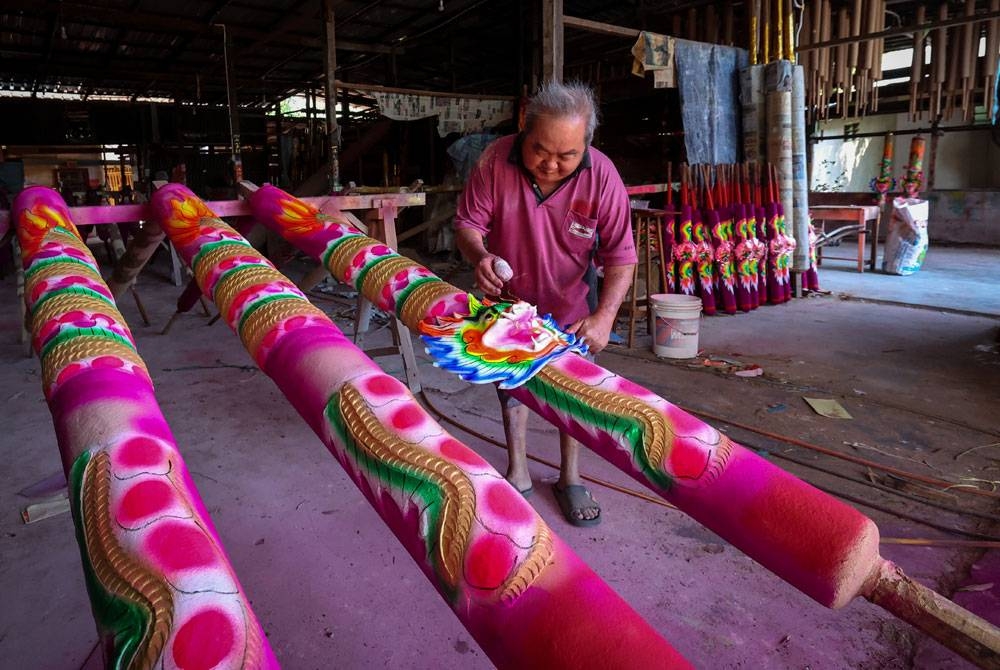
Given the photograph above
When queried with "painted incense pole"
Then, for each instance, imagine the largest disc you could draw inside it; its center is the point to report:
(725, 269)
(522, 593)
(746, 278)
(162, 590)
(884, 182)
(704, 262)
(685, 252)
(914, 178)
(823, 547)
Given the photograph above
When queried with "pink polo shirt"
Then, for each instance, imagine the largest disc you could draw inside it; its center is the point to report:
(549, 244)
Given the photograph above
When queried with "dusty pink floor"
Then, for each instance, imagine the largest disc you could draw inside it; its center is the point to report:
(333, 588)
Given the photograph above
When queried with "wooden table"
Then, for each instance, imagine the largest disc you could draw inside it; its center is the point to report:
(858, 217)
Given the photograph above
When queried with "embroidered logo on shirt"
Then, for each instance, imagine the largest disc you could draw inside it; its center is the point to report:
(580, 230)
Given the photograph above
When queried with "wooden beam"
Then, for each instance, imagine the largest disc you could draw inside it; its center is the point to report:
(156, 23)
(552, 40)
(599, 28)
(330, 86)
(415, 91)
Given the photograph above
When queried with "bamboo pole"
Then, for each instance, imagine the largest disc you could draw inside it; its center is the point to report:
(992, 47)
(790, 29)
(843, 75)
(968, 57)
(827, 55)
(779, 15)
(766, 30)
(916, 67)
(939, 54)
(854, 47)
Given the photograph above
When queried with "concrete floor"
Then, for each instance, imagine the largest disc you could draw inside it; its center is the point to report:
(333, 588)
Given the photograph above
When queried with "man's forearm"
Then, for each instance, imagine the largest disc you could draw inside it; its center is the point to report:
(470, 243)
(617, 280)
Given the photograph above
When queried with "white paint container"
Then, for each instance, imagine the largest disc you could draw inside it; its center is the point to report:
(678, 317)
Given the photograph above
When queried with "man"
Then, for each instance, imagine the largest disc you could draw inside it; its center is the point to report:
(550, 205)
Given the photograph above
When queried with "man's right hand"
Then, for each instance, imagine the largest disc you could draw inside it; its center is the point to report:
(486, 278)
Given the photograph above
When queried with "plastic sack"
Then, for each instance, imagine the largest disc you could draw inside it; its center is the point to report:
(906, 243)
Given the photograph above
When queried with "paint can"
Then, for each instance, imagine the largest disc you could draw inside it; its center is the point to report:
(675, 332)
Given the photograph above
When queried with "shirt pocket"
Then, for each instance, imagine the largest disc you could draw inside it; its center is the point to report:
(579, 232)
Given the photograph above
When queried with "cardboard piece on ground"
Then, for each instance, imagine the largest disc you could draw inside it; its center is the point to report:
(828, 408)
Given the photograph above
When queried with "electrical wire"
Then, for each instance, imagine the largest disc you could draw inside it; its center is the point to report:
(882, 487)
(800, 387)
(930, 481)
(444, 417)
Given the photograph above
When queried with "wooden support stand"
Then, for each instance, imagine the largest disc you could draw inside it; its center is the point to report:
(647, 229)
(383, 228)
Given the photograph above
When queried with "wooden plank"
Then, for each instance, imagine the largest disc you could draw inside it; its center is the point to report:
(599, 28)
(552, 40)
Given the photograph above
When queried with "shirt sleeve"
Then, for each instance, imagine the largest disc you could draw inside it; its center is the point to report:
(616, 245)
(476, 204)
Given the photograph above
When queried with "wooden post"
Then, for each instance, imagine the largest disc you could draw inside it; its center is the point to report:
(552, 40)
(332, 128)
(234, 109)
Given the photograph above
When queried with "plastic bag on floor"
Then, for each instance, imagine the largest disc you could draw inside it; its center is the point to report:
(906, 243)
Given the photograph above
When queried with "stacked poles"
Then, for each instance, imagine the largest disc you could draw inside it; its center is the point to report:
(820, 545)
(841, 78)
(729, 243)
(523, 594)
(771, 25)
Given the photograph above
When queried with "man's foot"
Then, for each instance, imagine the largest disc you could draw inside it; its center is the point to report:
(522, 484)
(577, 505)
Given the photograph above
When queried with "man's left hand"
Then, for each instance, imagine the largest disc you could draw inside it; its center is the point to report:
(595, 330)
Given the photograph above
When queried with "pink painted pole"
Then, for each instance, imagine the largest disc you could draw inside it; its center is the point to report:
(522, 593)
(823, 547)
(162, 590)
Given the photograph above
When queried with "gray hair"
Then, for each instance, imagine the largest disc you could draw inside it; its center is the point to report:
(555, 99)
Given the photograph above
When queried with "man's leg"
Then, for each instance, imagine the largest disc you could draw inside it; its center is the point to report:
(515, 428)
(580, 505)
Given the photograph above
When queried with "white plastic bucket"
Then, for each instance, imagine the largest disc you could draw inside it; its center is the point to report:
(675, 332)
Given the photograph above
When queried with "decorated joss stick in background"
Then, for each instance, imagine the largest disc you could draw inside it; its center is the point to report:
(884, 182)
(820, 545)
(161, 587)
(719, 219)
(775, 291)
(522, 593)
(914, 178)
(684, 248)
(741, 254)
(704, 254)
(785, 244)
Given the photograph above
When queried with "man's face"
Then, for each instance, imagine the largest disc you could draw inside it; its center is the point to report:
(553, 148)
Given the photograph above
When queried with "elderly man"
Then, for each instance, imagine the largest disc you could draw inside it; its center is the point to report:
(551, 206)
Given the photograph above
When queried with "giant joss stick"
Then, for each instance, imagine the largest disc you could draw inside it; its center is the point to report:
(522, 593)
(162, 591)
(818, 544)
